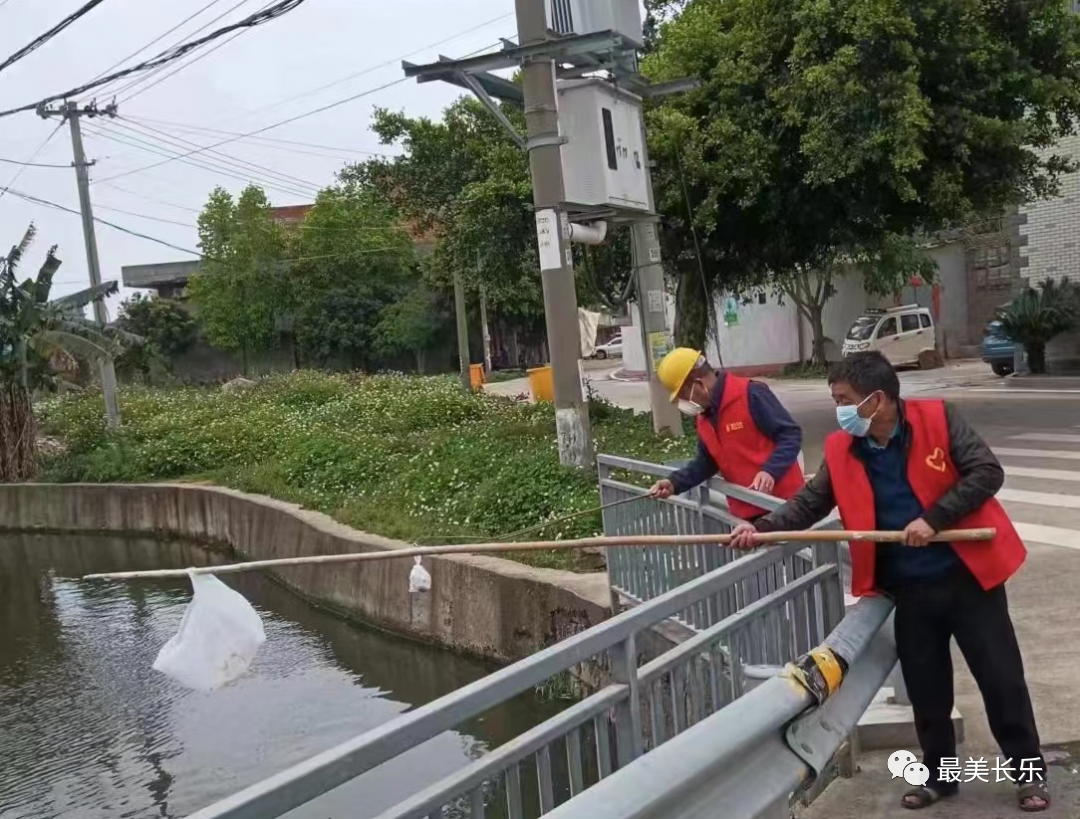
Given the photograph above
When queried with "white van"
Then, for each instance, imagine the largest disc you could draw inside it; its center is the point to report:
(899, 333)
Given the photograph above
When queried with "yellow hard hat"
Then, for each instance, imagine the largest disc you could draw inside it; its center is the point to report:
(675, 367)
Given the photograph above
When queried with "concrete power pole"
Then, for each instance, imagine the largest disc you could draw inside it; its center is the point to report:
(462, 332)
(652, 306)
(71, 112)
(553, 231)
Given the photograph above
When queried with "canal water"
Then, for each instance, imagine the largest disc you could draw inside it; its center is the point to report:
(89, 730)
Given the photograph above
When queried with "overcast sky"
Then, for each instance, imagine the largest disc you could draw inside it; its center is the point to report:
(236, 88)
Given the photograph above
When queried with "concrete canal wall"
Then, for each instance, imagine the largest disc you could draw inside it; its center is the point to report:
(484, 606)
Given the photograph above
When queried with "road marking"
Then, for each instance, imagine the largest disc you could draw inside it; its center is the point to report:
(1054, 454)
(1050, 535)
(1039, 498)
(1045, 474)
(1019, 390)
(1047, 437)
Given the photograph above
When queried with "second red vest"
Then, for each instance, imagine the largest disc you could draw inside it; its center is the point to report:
(931, 472)
(739, 449)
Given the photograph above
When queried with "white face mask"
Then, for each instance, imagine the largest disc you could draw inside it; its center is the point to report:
(689, 408)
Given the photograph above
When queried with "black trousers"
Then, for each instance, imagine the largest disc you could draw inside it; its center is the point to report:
(928, 616)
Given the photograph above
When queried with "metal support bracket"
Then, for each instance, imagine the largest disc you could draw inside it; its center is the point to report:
(482, 95)
(816, 736)
(544, 141)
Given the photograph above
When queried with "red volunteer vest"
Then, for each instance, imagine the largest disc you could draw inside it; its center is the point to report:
(739, 449)
(931, 473)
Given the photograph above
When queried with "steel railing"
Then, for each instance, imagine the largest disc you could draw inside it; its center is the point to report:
(756, 757)
(760, 609)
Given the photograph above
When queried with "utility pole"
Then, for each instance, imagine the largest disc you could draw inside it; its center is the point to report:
(652, 308)
(553, 233)
(71, 112)
(462, 332)
(652, 304)
(485, 330)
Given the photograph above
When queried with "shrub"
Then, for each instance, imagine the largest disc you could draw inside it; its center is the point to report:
(407, 457)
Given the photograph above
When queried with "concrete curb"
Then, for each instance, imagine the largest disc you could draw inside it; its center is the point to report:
(488, 607)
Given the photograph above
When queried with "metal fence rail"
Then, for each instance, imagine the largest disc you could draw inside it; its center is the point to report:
(765, 607)
(640, 574)
(749, 760)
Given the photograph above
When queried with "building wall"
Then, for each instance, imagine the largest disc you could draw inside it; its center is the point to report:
(1050, 229)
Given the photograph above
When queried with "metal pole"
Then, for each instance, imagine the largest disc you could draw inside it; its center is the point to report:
(484, 330)
(462, 331)
(553, 232)
(108, 371)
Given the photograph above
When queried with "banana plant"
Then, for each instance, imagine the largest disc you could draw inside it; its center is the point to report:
(33, 331)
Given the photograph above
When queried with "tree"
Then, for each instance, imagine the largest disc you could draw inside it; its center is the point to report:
(351, 261)
(827, 129)
(1036, 316)
(413, 324)
(167, 327)
(464, 180)
(34, 332)
(242, 292)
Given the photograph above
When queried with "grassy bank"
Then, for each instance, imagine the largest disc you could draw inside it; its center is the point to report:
(406, 457)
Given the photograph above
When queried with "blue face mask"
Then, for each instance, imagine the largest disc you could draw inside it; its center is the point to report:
(851, 422)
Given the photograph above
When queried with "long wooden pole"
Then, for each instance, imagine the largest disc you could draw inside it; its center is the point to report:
(621, 541)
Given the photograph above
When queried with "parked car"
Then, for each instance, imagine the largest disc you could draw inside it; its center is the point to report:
(997, 350)
(899, 333)
(613, 349)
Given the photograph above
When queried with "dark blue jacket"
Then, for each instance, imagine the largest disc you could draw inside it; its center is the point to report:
(768, 415)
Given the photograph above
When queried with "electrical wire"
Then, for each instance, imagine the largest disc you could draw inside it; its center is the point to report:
(219, 132)
(169, 139)
(161, 37)
(46, 203)
(170, 55)
(32, 164)
(33, 156)
(41, 39)
(370, 69)
(266, 128)
(147, 78)
(205, 165)
(319, 110)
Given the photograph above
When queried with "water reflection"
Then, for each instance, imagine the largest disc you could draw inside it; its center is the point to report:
(89, 730)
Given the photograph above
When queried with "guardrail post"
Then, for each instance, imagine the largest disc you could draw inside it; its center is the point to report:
(628, 732)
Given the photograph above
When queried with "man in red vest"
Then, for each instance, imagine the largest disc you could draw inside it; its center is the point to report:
(744, 432)
(916, 466)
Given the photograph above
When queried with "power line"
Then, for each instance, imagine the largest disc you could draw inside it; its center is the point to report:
(130, 192)
(169, 55)
(99, 206)
(45, 202)
(372, 68)
(319, 110)
(266, 128)
(33, 156)
(162, 70)
(32, 164)
(200, 128)
(41, 39)
(162, 136)
(161, 37)
(205, 165)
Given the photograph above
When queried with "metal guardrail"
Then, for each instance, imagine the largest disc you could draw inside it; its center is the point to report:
(751, 758)
(764, 607)
(640, 574)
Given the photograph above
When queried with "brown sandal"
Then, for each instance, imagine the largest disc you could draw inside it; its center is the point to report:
(919, 798)
(1034, 790)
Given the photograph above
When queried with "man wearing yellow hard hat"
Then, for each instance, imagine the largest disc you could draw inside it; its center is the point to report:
(744, 432)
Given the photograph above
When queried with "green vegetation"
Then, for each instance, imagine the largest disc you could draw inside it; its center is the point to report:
(406, 457)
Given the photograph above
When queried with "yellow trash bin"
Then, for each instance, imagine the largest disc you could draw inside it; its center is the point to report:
(542, 384)
(476, 375)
